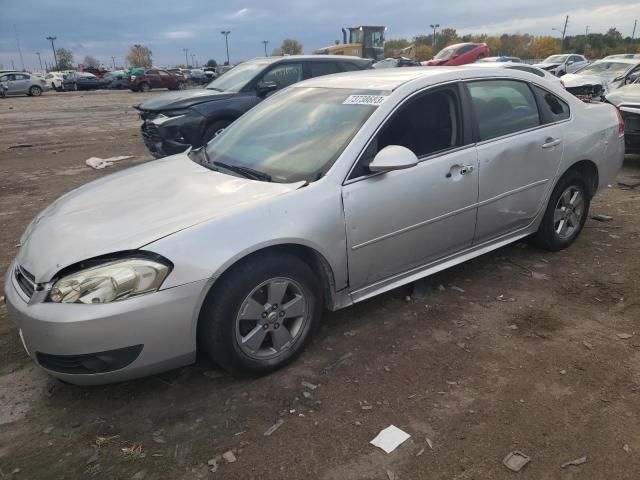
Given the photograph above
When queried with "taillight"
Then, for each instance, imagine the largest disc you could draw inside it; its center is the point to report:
(620, 124)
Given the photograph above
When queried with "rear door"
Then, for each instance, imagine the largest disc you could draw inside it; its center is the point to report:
(153, 77)
(519, 153)
(166, 80)
(19, 84)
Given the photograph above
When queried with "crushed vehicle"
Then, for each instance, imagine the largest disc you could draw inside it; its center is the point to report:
(174, 122)
(627, 100)
(152, 78)
(563, 63)
(459, 54)
(55, 79)
(596, 80)
(395, 62)
(116, 80)
(22, 83)
(326, 194)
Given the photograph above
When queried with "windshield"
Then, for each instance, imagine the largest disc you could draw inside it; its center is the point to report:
(555, 59)
(236, 78)
(445, 53)
(295, 135)
(606, 69)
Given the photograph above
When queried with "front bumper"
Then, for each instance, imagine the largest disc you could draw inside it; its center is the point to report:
(140, 336)
(173, 136)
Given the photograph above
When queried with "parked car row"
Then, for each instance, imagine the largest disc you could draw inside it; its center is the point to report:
(329, 191)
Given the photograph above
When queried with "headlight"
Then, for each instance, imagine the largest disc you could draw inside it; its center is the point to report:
(160, 119)
(110, 282)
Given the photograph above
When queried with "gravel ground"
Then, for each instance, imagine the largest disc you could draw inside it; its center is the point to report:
(520, 349)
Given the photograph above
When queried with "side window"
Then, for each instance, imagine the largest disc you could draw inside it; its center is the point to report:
(163, 73)
(152, 72)
(465, 49)
(319, 69)
(19, 76)
(425, 125)
(503, 107)
(349, 67)
(5, 78)
(284, 75)
(553, 109)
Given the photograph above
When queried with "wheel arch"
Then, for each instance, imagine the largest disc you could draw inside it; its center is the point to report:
(312, 257)
(589, 170)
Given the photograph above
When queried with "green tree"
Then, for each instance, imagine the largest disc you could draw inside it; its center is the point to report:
(65, 59)
(139, 56)
(446, 36)
(211, 63)
(391, 46)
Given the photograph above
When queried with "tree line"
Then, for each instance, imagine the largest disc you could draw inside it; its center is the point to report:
(592, 45)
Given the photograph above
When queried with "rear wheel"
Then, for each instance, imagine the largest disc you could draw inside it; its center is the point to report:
(566, 213)
(145, 87)
(35, 91)
(262, 314)
(181, 86)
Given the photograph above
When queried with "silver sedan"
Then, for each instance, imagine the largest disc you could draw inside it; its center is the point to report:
(326, 194)
(21, 83)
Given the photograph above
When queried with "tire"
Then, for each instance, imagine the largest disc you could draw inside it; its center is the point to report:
(144, 87)
(214, 130)
(555, 231)
(75, 87)
(181, 86)
(35, 91)
(222, 330)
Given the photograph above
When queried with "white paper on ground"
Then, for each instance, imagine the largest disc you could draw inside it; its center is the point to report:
(389, 438)
(98, 163)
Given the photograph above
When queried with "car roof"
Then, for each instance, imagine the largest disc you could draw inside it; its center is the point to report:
(312, 58)
(630, 61)
(388, 79)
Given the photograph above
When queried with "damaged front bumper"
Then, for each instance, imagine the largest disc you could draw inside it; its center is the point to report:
(588, 93)
(170, 134)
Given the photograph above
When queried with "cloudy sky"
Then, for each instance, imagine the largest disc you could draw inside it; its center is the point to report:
(107, 28)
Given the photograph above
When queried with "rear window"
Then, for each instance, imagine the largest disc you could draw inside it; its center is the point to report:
(503, 107)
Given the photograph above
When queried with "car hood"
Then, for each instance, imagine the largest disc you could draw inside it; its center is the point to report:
(133, 208)
(183, 99)
(578, 80)
(627, 94)
(547, 66)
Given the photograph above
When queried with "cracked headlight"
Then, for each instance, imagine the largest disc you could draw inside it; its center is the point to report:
(110, 282)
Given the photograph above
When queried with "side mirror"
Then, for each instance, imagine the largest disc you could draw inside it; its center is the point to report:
(570, 62)
(393, 157)
(263, 88)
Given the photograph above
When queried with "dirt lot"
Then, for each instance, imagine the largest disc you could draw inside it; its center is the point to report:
(516, 350)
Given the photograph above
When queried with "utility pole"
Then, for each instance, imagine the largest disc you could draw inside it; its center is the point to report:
(265, 43)
(226, 41)
(46, 67)
(39, 59)
(433, 39)
(633, 33)
(55, 58)
(193, 62)
(15, 29)
(13, 66)
(186, 57)
(114, 61)
(586, 31)
(564, 31)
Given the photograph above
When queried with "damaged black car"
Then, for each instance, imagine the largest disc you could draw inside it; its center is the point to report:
(176, 121)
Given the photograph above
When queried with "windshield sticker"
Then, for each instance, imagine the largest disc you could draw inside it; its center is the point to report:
(372, 100)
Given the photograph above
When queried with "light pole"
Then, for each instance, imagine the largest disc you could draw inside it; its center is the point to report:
(193, 62)
(226, 41)
(113, 59)
(39, 59)
(55, 58)
(186, 57)
(433, 39)
(265, 43)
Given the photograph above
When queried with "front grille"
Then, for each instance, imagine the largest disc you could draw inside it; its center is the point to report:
(26, 280)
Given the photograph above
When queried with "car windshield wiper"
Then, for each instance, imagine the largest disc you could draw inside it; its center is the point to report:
(246, 172)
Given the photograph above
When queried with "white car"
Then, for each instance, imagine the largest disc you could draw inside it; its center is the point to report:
(562, 64)
(54, 80)
(598, 79)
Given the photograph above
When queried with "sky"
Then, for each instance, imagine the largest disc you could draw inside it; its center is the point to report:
(108, 28)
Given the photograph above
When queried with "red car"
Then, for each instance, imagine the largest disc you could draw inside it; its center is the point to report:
(156, 78)
(459, 54)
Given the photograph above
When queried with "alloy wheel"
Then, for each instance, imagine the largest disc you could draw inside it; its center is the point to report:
(271, 318)
(568, 213)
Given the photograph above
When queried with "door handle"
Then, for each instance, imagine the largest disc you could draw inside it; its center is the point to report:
(460, 169)
(551, 142)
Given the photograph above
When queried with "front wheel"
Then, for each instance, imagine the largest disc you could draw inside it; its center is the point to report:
(181, 86)
(261, 315)
(565, 215)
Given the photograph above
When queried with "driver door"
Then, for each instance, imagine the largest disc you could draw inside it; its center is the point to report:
(404, 219)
